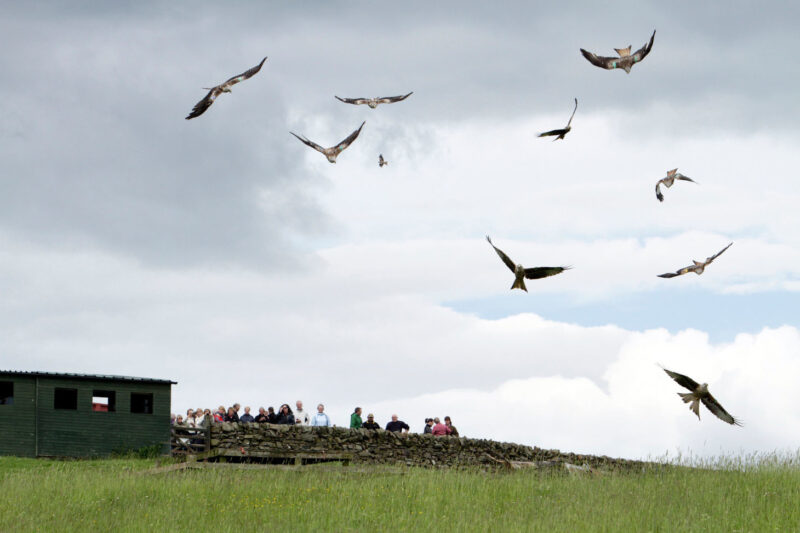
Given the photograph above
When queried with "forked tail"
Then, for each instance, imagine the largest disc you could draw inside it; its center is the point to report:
(519, 284)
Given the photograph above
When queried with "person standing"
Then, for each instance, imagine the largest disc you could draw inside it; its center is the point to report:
(201, 420)
(301, 414)
(453, 431)
(261, 417)
(355, 419)
(397, 426)
(370, 423)
(428, 426)
(439, 429)
(246, 417)
(320, 419)
(285, 416)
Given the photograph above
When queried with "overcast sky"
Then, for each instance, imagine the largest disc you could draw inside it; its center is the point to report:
(224, 254)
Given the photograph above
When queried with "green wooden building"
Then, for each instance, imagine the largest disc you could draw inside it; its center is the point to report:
(45, 414)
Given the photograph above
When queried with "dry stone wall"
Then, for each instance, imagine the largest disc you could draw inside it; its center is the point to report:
(384, 447)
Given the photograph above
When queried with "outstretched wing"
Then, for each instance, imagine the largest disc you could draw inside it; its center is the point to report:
(201, 106)
(684, 381)
(552, 132)
(573, 113)
(392, 99)
(507, 260)
(354, 101)
(244, 75)
(681, 272)
(685, 178)
(658, 192)
(642, 52)
(720, 412)
(544, 272)
(607, 63)
(350, 138)
(312, 144)
(709, 259)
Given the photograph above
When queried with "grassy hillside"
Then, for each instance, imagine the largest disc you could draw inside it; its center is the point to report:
(114, 495)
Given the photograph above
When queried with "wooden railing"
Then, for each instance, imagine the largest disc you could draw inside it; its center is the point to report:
(187, 440)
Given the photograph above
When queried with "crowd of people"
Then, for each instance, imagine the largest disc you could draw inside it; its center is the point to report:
(199, 418)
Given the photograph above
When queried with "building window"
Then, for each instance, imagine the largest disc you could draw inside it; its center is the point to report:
(104, 401)
(142, 402)
(6, 393)
(65, 399)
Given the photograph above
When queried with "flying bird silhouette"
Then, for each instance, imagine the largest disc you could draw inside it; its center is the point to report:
(201, 106)
(381, 160)
(563, 131)
(625, 60)
(667, 181)
(699, 393)
(698, 267)
(520, 272)
(373, 102)
(332, 152)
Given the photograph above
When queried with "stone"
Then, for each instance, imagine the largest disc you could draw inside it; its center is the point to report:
(382, 447)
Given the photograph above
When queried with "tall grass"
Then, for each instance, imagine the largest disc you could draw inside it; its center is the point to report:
(113, 495)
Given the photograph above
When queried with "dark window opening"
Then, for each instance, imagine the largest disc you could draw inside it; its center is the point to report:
(6, 393)
(65, 399)
(142, 403)
(104, 401)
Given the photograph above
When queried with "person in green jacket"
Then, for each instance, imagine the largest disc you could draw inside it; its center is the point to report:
(355, 419)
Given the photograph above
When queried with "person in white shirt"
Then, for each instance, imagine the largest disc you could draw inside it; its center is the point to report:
(300, 415)
(189, 420)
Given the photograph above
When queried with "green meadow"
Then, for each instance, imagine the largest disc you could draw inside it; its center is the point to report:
(122, 495)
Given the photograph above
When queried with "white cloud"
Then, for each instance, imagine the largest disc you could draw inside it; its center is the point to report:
(225, 254)
(342, 335)
(497, 177)
(634, 411)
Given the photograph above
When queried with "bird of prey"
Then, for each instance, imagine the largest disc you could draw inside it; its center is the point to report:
(563, 131)
(699, 393)
(625, 60)
(667, 181)
(381, 160)
(373, 102)
(520, 272)
(698, 267)
(332, 152)
(201, 106)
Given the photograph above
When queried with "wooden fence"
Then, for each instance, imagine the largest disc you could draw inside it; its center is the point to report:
(186, 440)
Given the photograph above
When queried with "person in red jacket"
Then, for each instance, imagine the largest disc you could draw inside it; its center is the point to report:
(439, 429)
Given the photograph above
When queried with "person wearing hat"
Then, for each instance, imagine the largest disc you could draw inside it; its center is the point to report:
(428, 425)
(370, 423)
(355, 419)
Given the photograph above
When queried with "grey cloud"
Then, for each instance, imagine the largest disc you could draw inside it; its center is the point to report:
(97, 151)
(95, 148)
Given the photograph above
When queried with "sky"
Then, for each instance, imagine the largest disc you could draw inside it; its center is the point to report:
(223, 254)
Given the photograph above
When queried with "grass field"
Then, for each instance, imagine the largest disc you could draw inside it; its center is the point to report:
(114, 495)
